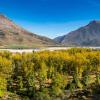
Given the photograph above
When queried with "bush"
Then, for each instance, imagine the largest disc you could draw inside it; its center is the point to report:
(48, 75)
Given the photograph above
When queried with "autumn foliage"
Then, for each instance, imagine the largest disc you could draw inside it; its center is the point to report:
(49, 75)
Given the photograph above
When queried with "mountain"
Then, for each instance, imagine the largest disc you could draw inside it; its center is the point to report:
(88, 35)
(12, 35)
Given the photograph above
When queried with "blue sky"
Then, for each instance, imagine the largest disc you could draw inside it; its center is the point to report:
(51, 17)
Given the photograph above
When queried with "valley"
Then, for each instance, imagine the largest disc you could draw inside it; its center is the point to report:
(45, 49)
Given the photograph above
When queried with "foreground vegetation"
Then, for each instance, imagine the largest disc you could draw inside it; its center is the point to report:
(58, 75)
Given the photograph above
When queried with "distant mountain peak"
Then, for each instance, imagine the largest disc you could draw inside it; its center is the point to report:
(94, 22)
(88, 35)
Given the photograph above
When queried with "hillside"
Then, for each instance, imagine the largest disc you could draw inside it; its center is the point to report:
(88, 35)
(14, 36)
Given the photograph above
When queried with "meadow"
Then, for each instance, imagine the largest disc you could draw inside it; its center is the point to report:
(72, 74)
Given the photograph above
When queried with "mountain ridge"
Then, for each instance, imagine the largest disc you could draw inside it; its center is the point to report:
(88, 35)
(12, 35)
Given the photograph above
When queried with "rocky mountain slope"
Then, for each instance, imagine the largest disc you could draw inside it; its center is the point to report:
(12, 35)
(88, 35)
